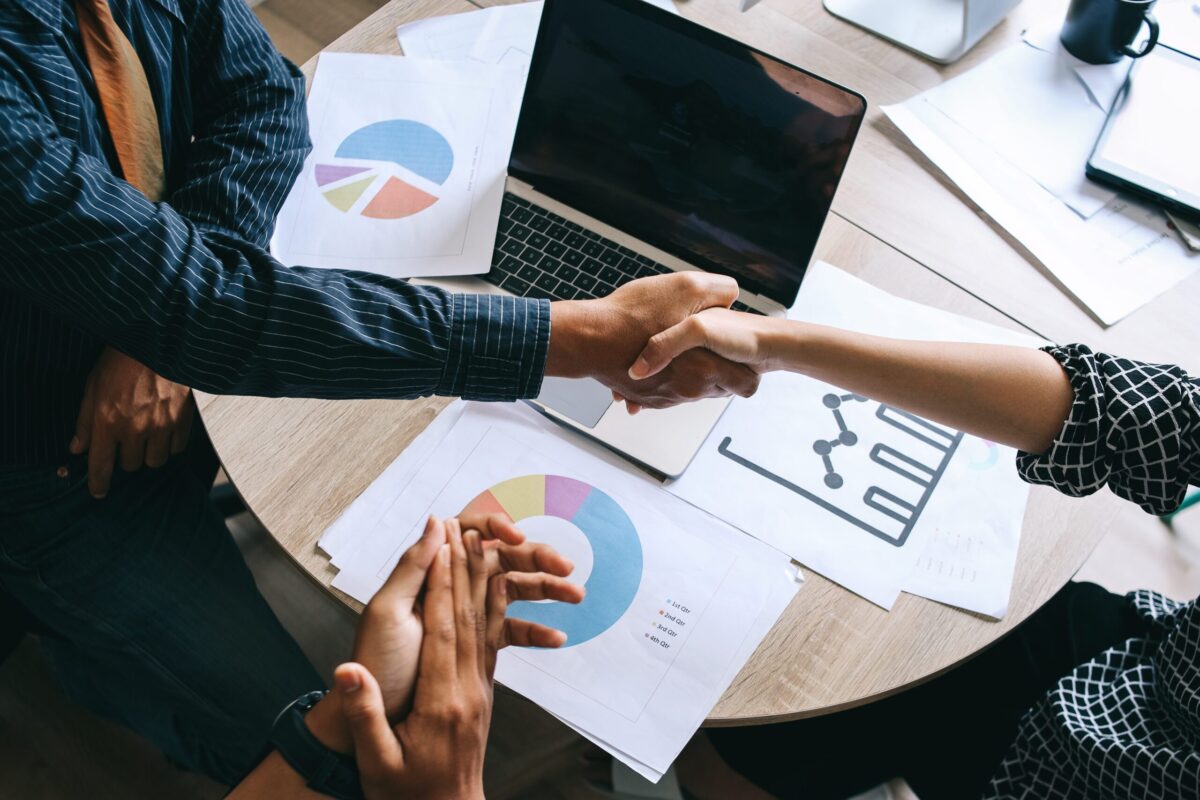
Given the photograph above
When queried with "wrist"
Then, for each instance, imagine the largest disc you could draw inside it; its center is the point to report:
(577, 329)
(328, 725)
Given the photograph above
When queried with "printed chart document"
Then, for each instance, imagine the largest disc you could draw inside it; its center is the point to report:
(858, 490)
(676, 599)
(1015, 134)
(407, 171)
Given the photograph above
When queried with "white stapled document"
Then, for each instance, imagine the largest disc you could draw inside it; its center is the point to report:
(860, 491)
(1113, 260)
(676, 602)
(408, 166)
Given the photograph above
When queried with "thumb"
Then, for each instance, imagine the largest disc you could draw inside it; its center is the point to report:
(664, 347)
(83, 423)
(376, 748)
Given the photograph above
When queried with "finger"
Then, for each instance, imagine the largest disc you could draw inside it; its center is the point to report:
(466, 618)
(83, 423)
(522, 633)
(403, 586)
(633, 408)
(713, 291)
(484, 564)
(535, 557)
(493, 525)
(181, 434)
(376, 748)
(540, 586)
(101, 456)
(438, 676)
(133, 452)
(158, 449)
(740, 380)
(665, 347)
(497, 607)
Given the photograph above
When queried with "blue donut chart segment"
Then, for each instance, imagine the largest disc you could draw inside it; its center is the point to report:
(616, 550)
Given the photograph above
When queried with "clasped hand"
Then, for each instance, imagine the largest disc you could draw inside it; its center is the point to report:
(602, 338)
(131, 412)
(414, 706)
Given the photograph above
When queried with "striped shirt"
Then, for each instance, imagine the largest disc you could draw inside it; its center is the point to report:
(186, 286)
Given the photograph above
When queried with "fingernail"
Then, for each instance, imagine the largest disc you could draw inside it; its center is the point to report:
(76, 446)
(503, 586)
(350, 680)
(639, 368)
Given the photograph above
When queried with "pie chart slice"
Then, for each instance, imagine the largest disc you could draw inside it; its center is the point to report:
(344, 197)
(616, 549)
(398, 199)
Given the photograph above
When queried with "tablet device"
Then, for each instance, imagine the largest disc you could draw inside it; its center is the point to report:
(1150, 143)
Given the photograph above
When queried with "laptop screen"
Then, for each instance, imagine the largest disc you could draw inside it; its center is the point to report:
(685, 139)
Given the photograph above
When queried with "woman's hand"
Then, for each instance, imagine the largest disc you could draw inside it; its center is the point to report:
(438, 750)
(734, 335)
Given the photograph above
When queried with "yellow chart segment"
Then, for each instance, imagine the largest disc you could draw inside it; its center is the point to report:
(522, 497)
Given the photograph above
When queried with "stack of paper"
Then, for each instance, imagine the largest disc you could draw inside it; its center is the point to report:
(869, 496)
(677, 601)
(1015, 134)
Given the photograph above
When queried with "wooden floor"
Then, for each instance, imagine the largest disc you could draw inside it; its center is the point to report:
(52, 750)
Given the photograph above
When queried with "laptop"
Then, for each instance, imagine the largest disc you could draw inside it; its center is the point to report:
(649, 144)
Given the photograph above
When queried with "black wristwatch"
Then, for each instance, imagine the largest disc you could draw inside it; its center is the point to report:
(324, 770)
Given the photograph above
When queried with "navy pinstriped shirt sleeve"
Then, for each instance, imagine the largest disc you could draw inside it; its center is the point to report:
(250, 131)
(186, 286)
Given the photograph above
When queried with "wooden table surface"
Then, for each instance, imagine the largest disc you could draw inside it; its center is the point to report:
(898, 224)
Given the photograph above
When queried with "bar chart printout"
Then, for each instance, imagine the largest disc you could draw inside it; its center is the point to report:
(860, 491)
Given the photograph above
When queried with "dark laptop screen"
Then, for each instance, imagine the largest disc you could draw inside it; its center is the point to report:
(690, 141)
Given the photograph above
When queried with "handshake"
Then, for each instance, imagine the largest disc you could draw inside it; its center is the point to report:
(602, 339)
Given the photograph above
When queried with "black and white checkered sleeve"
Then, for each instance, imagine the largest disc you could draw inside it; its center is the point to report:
(1134, 427)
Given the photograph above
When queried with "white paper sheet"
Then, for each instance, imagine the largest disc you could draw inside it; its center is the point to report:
(856, 490)
(498, 35)
(1102, 81)
(1030, 107)
(1116, 261)
(407, 171)
(677, 600)
(361, 516)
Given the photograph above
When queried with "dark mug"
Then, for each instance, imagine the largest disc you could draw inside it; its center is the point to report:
(1102, 31)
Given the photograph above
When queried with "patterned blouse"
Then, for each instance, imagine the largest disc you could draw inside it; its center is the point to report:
(1127, 723)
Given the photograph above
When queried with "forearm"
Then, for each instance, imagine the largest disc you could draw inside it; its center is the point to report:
(1011, 395)
(275, 779)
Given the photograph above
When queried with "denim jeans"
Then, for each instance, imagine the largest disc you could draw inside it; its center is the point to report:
(154, 620)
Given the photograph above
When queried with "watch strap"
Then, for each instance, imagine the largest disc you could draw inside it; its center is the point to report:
(323, 770)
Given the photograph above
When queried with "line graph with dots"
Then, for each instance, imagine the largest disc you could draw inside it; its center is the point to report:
(912, 460)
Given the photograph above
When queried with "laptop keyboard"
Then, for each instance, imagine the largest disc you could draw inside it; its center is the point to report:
(540, 254)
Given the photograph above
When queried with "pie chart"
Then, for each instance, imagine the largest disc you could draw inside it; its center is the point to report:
(404, 152)
(616, 549)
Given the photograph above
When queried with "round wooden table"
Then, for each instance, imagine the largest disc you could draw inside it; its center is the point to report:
(299, 463)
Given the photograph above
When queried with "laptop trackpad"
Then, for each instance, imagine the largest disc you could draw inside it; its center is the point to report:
(583, 401)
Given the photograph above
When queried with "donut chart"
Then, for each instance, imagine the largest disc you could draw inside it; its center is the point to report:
(616, 549)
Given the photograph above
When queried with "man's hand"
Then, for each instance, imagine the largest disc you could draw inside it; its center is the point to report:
(601, 338)
(128, 407)
(437, 751)
(390, 635)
